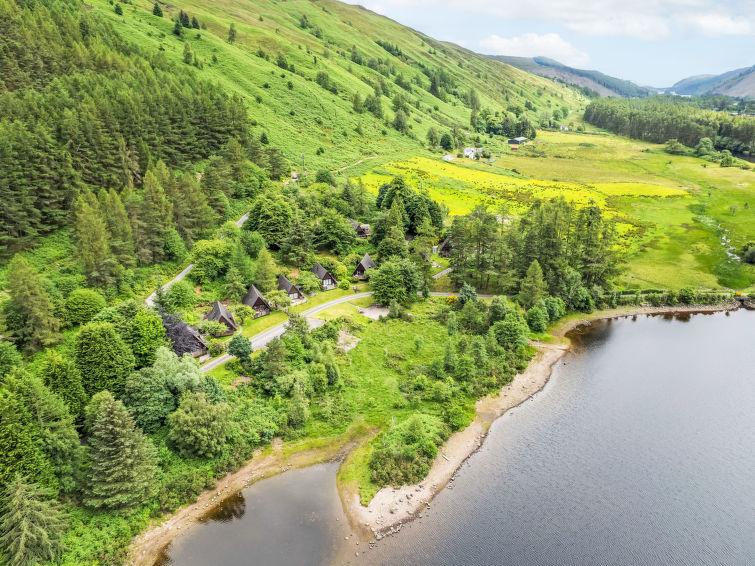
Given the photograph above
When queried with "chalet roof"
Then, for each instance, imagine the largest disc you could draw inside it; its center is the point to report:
(320, 271)
(185, 338)
(252, 296)
(220, 313)
(520, 139)
(285, 285)
(367, 262)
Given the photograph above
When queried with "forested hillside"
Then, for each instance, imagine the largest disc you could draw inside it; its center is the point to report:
(660, 119)
(738, 83)
(91, 96)
(594, 83)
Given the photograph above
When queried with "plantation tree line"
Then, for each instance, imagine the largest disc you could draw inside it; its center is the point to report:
(659, 119)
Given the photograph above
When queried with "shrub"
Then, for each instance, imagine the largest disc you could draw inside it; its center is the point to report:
(198, 427)
(179, 296)
(555, 307)
(686, 296)
(212, 327)
(216, 348)
(537, 319)
(82, 305)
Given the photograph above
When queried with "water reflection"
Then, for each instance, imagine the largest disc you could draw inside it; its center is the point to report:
(231, 508)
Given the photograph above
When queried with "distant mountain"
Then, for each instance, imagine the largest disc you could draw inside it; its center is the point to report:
(603, 84)
(739, 83)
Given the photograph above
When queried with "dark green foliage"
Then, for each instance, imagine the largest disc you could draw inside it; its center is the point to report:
(118, 10)
(252, 243)
(29, 313)
(537, 319)
(55, 433)
(511, 333)
(555, 307)
(103, 358)
(325, 176)
(240, 347)
(179, 297)
(146, 335)
(686, 296)
(232, 33)
(122, 472)
(148, 398)
(335, 233)
(265, 277)
(446, 142)
(82, 305)
(396, 280)
(210, 258)
(61, 376)
(467, 293)
(78, 111)
(31, 524)
(198, 427)
(404, 454)
(271, 216)
(533, 286)
(10, 358)
(157, 10)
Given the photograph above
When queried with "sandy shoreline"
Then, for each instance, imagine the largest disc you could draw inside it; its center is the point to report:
(390, 508)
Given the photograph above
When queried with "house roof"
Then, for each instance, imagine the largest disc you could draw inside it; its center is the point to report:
(367, 262)
(185, 338)
(252, 296)
(285, 285)
(520, 139)
(353, 223)
(220, 313)
(320, 271)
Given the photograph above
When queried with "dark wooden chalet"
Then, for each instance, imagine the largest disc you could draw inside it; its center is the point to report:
(254, 299)
(294, 292)
(327, 281)
(363, 266)
(184, 338)
(222, 315)
(362, 230)
(445, 248)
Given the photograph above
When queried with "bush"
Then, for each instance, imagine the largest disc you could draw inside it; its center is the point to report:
(179, 296)
(212, 327)
(537, 319)
(655, 299)
(82, 305)
(198, 427)
(555, 307)
(216, 348)
(686, 296)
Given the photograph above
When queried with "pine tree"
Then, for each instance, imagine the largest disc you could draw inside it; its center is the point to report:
(234, 285)
(184, 18)
(265, 277)
(92, 247)
(119, 227)
(198, 427)
(187, 53)
(148, 398)
(157, 10)
(37, 327)
(232, 33)
(178, 28)
(10, 358)
(61, 376)
(118, 10)
(31, 524)
(194, 22)
(533, 286)
(102, 358)
(57, 437)
(122, 461)
(157, 215)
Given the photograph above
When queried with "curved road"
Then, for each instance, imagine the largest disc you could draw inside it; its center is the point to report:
(261, 340)
(151, 299)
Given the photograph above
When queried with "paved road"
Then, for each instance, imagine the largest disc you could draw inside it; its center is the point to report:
(262, 339)
(440, 274)
(151, 299)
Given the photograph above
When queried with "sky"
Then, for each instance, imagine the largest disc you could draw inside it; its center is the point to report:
(651, 42)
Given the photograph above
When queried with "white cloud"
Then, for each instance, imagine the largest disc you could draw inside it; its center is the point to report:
(715, 24)
(641, 19)
(532, 45)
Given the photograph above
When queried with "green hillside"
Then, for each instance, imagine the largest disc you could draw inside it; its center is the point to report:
(301, 116)
(737, 83)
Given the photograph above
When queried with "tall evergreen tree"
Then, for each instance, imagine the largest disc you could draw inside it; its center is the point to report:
(266, 273)
(63, 378)
(157, 215)
(533, 286)
(33, 323)
(102, 358)
(92, 247)
(157, 10)
(31, 524)
(119, 228)
(122, 468)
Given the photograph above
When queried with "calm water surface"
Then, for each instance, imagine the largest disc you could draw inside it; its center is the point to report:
(641, 450)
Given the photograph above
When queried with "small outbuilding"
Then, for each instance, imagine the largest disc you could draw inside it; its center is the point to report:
(363, 230)
(327, 281)
(185, 339)
(445, 247)
(293, 291)
(472, 152)
(257, 302)
(219, 313)
(518, 141)
(362, 267)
